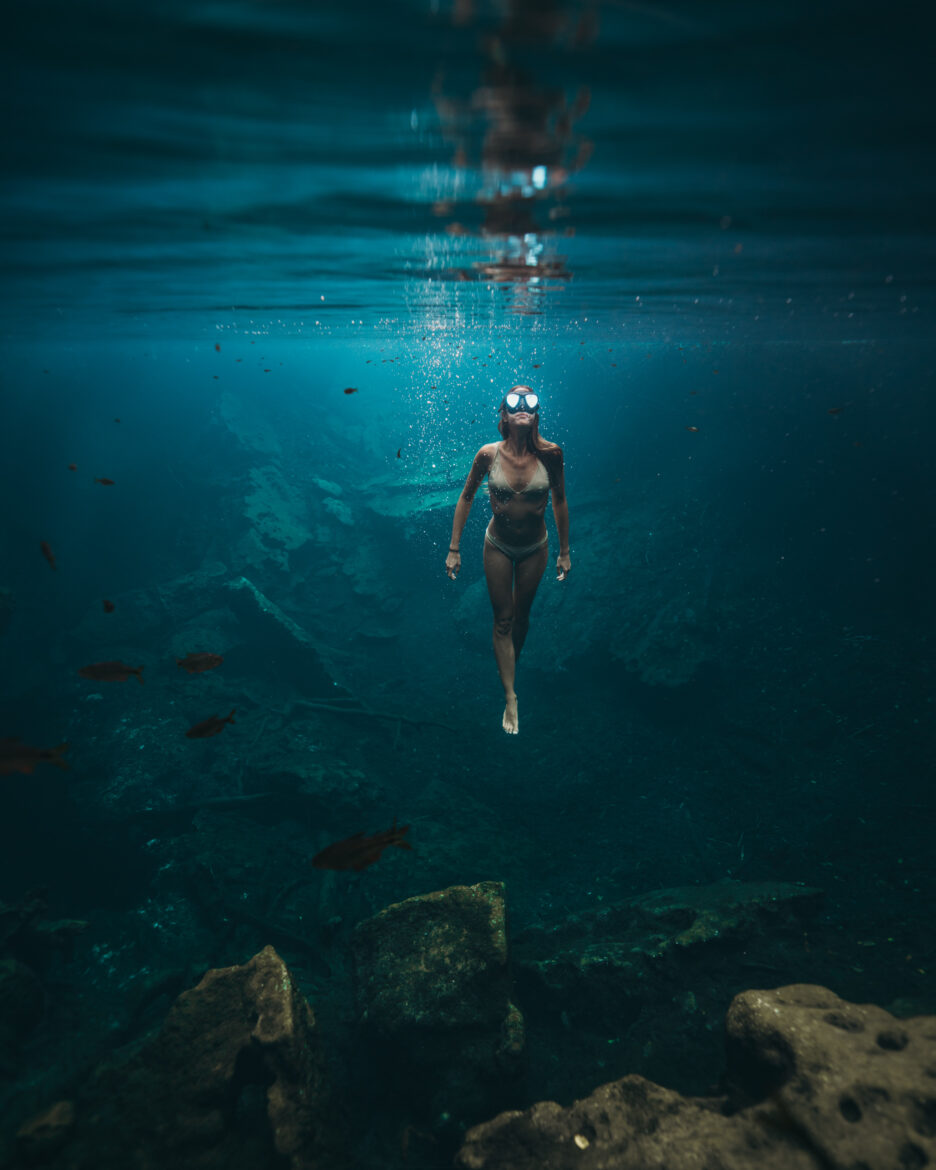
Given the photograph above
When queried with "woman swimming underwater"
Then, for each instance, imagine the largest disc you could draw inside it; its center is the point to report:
(521, 471)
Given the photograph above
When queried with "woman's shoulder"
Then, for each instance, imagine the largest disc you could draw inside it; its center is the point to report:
(486, 454)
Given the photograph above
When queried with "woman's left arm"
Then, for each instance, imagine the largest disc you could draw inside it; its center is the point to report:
(561, 512)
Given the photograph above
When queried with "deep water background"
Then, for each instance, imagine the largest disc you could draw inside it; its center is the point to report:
(221, 218)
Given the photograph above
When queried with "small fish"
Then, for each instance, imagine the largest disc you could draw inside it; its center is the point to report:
(399, 449)
(217, 347)
(111, 672)
(47, 552)
(359, 851)
(116, 420)
(104, 480)
(197, 663)
(692, 429)
(108, 606)
(16, 756)
(351, 390)
(213, 725)
(834, 410)
(73, 467)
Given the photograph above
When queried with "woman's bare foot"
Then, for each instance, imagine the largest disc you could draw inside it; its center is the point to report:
(511, 718)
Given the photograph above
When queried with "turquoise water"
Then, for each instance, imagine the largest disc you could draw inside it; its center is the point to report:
(705, 239)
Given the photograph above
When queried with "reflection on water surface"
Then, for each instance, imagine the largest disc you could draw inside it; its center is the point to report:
(746, 172)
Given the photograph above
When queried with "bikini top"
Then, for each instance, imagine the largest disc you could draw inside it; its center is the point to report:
(498, 485)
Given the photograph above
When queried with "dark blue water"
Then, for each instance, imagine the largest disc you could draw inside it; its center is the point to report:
(703, 234)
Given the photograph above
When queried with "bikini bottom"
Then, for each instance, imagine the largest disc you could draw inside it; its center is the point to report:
(516, 552)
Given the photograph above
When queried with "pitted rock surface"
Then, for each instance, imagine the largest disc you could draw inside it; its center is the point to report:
(817, 1084)
(860, 1084)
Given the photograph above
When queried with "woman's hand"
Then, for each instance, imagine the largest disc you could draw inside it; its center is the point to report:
(453, 564)
(563, 565)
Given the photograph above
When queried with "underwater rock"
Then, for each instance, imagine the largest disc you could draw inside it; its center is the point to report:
(644, 944)
(858, 1083)
(642, 984)
(266, 624)
(38, 1139)
(847, 1086)
(633, 1124)
(234, 1079)
(278, 518)
(433, 989)
(144, 615)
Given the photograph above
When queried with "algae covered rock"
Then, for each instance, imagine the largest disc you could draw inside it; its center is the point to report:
(633, 1124)
(860, 1084)
(433, 992)
(831, 1086)
(234, 1079)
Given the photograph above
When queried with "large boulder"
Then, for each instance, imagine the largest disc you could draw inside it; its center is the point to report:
(433, 992)
(858, 1083)
(234, 1079)
(633, 1124)
(846, 1087)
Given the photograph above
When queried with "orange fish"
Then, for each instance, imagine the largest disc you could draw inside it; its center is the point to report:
(104, 480)
(47, 552)
(108, 606)
(210, 726)
(16, 756)
(73, 467)
(358, 852)
(197, 663)
(111, 672)
(351, 390)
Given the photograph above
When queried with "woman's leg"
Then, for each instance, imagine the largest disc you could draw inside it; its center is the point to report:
(527, 576)
(498, 571)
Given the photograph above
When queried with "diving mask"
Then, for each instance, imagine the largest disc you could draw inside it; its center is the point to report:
(516, 402)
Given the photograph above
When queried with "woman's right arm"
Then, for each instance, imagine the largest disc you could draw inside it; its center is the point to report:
(479, 469)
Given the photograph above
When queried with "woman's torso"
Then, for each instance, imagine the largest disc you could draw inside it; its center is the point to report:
(519, 491)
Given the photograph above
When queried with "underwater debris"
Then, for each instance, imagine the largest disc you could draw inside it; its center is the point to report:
(47, 552)
(73, 467)
(111, 672)
(108, 606)
(104, 480)
(358, 851)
